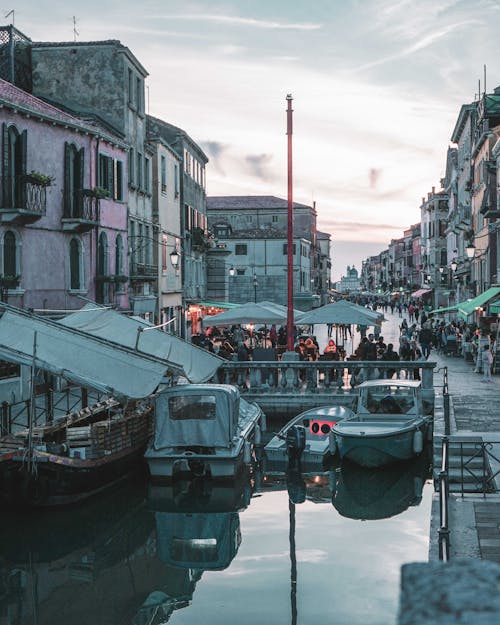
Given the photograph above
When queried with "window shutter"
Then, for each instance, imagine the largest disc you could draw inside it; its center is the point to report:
(67, 185)
(111, 178)
(81, 168)
(5, 165)
(23, 139)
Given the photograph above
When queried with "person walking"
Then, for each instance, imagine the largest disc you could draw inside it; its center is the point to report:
(425, 339)
(487, 361)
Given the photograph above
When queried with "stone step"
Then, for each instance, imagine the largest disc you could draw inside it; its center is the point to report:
(456, 475)
(455, 487)
(470, 462)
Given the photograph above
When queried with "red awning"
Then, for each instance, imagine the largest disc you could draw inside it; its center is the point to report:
(420, 292)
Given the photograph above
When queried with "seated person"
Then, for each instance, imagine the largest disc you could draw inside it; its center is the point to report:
(330, 351)
(388, 405)
(312, 352)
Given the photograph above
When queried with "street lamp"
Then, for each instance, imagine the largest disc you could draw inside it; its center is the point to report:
(470, 250)
(453, 265)
(174, 259)
(232, 271)
(255, 284)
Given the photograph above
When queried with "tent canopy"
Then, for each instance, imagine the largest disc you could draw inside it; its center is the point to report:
(198, 365)
(83, 359)
(467, 308)
(420, 292)
(446, 309)
(251, 312)
(341, 312)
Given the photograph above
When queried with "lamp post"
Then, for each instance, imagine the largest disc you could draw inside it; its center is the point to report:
(255, 285)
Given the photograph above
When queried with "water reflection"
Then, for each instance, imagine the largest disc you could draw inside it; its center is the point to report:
(369, 494)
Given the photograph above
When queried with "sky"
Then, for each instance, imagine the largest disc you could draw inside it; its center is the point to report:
(377, 86)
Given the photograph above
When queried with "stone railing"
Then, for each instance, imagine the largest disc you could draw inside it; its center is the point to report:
(319, 382)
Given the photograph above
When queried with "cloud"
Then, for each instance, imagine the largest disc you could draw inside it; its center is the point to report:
(374, 176)
(242, 21)
(352, 226)
(215, 151)
(260, 166)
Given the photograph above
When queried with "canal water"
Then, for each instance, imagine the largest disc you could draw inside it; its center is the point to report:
(274, 548)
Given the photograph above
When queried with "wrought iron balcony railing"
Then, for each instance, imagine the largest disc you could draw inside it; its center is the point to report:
(23, 199)
(143, 271)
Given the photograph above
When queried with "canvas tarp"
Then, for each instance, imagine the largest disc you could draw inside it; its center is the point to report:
(82, 359)
(198, 365)
(194, 414)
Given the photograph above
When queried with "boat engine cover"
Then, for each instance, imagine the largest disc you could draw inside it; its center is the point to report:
(295, 441)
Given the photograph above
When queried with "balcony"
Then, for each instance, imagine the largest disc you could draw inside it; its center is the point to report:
(81, 211)
(489, 206)
(24, 199)
(143, 272)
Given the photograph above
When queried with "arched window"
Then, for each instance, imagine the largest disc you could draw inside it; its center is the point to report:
(73, 181)
(10, 259)
(75, 264)
(119, 255)
(102, 268)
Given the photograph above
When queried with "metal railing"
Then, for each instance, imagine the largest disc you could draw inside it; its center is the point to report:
(82, 205)
(444, 530)
(477, 477)
(21, 193)
(446, 403)
(49, 407)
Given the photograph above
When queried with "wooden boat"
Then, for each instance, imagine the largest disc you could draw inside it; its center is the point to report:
(389, 424)
(316, 425)
(203, 430)
(75, 457)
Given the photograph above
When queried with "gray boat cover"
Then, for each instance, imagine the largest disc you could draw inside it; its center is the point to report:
(199, 415)
(196, 364)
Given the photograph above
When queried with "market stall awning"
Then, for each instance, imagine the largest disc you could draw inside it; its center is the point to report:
(495, 307)
(341, 312)
(216, 304)
(80, 358)
(420, 292)
(445, 309)
(467, 308)
(197, 364)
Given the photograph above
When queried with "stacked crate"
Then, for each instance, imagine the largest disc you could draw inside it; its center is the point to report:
(120, 433)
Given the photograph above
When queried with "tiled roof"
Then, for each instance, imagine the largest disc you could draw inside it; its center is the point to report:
(245, 202)
(11, 94)
(74, 44)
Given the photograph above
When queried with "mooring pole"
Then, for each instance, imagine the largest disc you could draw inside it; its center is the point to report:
(289, 132)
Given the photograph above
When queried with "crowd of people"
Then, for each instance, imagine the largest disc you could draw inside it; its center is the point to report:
(420, 334)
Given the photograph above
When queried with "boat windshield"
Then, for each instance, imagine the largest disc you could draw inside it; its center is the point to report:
(200, 407)
(388, 400)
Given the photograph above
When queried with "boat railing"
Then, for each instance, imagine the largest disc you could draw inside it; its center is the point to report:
(319, 376)
(444, 530)
(49, 406)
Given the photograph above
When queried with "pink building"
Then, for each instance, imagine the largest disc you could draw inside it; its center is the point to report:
(63, 208)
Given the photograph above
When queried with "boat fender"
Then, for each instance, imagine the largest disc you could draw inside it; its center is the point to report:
(332, 444)
(418, 442)
(258, 435)
(247, 453)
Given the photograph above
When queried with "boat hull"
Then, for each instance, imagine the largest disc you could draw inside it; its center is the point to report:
(377, 451)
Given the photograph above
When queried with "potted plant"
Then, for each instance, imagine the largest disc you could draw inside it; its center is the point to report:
(99, 193)
(36, 177)
(9, 281)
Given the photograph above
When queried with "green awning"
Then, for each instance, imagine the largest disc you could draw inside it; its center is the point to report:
(468, 308)
(495, 308)
(436, 311)
(215, 304)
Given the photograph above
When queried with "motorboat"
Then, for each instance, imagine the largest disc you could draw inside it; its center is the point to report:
(389, 424)
(203, 430)
(307, 436)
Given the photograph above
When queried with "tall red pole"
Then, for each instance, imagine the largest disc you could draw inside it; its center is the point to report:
(289, 323)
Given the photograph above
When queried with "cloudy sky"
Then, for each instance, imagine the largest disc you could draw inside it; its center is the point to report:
(377, 86)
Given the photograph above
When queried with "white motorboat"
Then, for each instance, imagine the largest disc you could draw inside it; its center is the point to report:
(389, 424)
(314, 426)
(203, 430)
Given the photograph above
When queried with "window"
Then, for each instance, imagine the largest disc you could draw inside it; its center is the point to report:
(106, 174)
(285, 249)
(240, 272)
(147, 175)
(164, 252)
(130, 86)
(14, 166)
(163, 174)
(10, 255)
(102, 268)
(176, 180)
(139, 170)
(200, 407)
(131, 167)
(139, 100)
(75, 265)
(73, 181)
(275, 219)
(241, 249)
(119, 255)
(119, 181)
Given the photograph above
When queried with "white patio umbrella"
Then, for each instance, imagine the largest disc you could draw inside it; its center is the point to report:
(341, 312)
(251, 312)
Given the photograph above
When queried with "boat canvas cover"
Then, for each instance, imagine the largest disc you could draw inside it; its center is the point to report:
(198, 540)
(82, 359)
(195, 363)
(196, 415)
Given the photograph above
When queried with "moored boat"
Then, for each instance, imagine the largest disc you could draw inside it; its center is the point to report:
(389, 424)
(203, 430)
(77, 456)
(315, 425)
